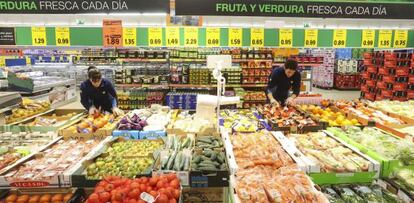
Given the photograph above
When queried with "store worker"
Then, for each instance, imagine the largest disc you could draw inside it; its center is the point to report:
(281, 81)
(98, 94)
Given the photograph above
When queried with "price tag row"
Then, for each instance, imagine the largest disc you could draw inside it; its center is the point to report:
(235, 37)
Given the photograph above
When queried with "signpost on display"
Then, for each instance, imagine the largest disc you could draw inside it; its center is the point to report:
(235, 37)
(155, 37)
(191, 37)
(62, 35)
(212, 37)
(400, 38)
(339, 38)
(172, 35)
(257, 37)
(384, 38)
(368, 38)
(39, 36)
(112, 33)
(286, 38)
(129, 36)
(311, 38)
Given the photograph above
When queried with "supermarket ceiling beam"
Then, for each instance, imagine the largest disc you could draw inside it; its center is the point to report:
(282, 8)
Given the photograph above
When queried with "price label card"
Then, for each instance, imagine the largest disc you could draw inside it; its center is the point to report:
(154, 37)
(2, 61)
(172, 35)
(311, 38)
(129, 35)
(190, 36)
(285, 37)
(400, 38)
(257, 37)
(212, 37)
(339, 38)
(28, 61)
(112, 33)
(62, 35)
(39, 36)
(368, 38)
(235, 37)
(384, 38)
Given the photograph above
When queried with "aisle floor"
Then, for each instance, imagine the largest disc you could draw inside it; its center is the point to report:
(326, 94)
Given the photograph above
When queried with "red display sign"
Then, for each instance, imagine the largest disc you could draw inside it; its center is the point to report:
(29, 184)
(112, 33)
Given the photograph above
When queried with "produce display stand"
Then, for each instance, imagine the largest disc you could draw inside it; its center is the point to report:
(322, 178)
(403, 118)
(397, 188)
(100, 134)
(31, 117)
(24, 125)
(78, 195)
(388, 166)
(77, 175)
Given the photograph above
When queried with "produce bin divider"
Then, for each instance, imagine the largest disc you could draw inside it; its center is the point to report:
(229, 151)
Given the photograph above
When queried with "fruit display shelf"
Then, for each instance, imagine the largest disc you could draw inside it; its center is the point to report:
(333, 161)
(49, 121)
(391, 151)
(63, 195)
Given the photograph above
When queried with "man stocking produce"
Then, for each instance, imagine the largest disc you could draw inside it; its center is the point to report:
(281, 81)
(98, 94)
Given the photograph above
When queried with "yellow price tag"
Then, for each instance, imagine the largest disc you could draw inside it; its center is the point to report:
(28, 61)
(172, 35)
(154, 37)
(2, 61)
(400, 38)
(311, 38)
(53, 58)
(285, 37)
(384, 38)
(368, 38)
(257, 37)
(339, 38)
(235, 37)
(129, 35)
(39, 36)
(190, 36)
(62, 35)
(213, 37)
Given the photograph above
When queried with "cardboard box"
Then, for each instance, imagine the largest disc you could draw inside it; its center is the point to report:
(203, 195)
(78, 195)
(204, 179)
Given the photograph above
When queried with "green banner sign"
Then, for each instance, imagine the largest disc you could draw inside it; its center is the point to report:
(227, 37)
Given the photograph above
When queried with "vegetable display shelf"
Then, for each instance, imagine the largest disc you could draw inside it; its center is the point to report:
(404, 193)
(315, 172)
(403, 118)
(388, 166)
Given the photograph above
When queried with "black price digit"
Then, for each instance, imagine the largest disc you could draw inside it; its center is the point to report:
(235, 41)
(39, 40)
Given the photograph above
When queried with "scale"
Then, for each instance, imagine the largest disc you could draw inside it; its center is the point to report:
(207, 105)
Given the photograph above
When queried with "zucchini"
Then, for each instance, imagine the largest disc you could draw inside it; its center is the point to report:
(205, 140)
(177, 161)
(171, 161)
(213, 156)
(206, 169)
(185, 143)
(182, 161)
(164, 162)
(208, 153)
(187, 163)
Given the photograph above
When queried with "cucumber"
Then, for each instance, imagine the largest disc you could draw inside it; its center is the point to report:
(213, 156)
(171, 161)
(205, 140)
(197, 159)
(216, 144)
(186, 143)
(208, 153)
(206, 165)
(210, 163)
(220, 158)
(205, 146)
(177, 161)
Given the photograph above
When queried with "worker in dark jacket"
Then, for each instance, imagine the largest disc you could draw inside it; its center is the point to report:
(281, 81)
(98, 94)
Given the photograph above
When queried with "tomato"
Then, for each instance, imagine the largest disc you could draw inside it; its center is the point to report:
(167, 192)
(160, 184)
(145, 179)
(149, 188)
(143, 187)
(118, 183)
(134, 185)
(109, 187)
(162, 199)
(171, 176)
(104, 197)
(175, 183)
(118, 196)
(99, 189)
(93, 198)
(132, 201)
(134, 194)
(172, 201)
(153, 181)
(141, 201)
(176, 194)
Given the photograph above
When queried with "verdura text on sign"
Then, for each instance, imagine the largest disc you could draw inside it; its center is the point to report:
(63, 5)
(301, 9)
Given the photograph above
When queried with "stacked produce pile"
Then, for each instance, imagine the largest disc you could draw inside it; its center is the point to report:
(177, 153)
(158, 189)
(400, 108)
(27, 108)
(240, 120)
(191, 124)
(331, 155)
(93, 124)
(285, 116)
(408, 130)
(15, 146)
(406, 178)
(148, 119)
(328, 115)
(128, 158)
(260, 157)
(38, 198)
(359, 193)
(209, 155)
(52, 120)
(384, 144)
(54, 161)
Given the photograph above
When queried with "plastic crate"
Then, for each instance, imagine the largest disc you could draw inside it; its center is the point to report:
(385, 93)
(383, 71)
(410, 94)
(371, 83)
(368, 62)
(400, 71)
(400, 86)
(390, 64)
(384, 85)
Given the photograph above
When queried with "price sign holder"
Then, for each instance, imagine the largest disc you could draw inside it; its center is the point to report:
(235, 37)
(212, 37)
(400, 38)
(339, 38)
(285, 38)
(112, 33)
(155, 37)
(257, 37)
(368, 38)
(311, 38)
(191, 36)
(129, 35)
(39, 36)
(172, 35)
(384, 38)
(62, 35)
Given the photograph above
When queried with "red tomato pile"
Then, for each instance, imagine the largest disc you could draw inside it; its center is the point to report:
(164, 189)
